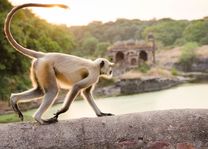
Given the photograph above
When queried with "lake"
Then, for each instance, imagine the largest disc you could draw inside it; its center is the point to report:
(181, 97)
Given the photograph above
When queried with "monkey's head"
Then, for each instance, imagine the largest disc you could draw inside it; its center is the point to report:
(105, 67)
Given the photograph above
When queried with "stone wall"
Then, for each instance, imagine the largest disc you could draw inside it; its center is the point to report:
(132, 86)
(199, 65)
(171, 129)
(139, 85)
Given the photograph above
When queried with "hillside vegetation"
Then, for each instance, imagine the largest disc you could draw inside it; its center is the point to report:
(31, 32)
(168, 33)
(87, 41)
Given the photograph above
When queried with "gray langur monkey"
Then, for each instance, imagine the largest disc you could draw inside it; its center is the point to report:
(52, 71)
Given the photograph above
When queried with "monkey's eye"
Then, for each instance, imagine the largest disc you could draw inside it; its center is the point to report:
(102, 64)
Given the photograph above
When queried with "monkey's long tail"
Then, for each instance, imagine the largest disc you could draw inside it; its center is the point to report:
(27, 52)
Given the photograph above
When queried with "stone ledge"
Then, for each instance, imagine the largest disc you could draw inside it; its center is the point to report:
(169, 129)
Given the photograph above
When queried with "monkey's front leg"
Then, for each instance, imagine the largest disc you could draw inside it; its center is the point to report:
(87, 94)
(67, 102)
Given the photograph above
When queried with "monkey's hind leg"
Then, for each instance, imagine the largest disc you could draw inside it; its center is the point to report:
(28, 95)
(16, 108)
(24, 97)
(49, 97)
(47, 79)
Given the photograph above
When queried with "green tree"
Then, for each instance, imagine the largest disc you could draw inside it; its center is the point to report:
(14, 67)
(197, 31)
(101, 49)
(89, 46)
(166, 31)
(188, 55)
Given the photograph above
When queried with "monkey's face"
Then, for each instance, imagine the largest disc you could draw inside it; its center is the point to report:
(105, 68)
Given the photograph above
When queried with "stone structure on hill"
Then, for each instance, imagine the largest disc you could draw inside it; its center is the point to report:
(131, 53)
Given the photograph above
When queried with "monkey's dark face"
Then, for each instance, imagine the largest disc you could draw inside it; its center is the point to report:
(106, 68)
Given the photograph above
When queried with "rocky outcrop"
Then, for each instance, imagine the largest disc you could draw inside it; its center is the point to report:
(112, 90)
(173, 129)
(140, 85)
(200, 65)
(196, 76)
(169, 59)
(132, 86)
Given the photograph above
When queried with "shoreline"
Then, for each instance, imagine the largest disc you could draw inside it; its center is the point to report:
(128, 87)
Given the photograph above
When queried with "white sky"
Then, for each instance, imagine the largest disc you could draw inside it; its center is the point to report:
(82, 12)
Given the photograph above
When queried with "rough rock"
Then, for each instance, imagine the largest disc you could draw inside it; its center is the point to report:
(132, 86)
(140, 85)
(170, 129)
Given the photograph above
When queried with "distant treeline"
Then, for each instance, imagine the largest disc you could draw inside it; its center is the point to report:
(168, 33)
(86, 41)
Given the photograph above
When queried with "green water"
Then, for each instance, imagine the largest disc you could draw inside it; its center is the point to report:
(185, 96)
(181, 97)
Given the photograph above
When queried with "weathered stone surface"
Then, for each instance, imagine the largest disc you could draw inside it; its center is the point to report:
(199, 65)
(170, 129)
(159, 145)
(132, 86)
(140, 85)
(196, 76)
(185, 146)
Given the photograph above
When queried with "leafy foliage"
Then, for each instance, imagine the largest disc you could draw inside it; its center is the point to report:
(144, 67)
(167, 31)
(174, 71)
(33, 33)
(197, 31)
(188, 55)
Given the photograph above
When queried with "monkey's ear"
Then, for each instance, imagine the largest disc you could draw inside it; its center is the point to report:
(102, 63)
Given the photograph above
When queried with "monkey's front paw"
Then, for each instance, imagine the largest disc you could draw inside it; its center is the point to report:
(105, 114)
(51, 120)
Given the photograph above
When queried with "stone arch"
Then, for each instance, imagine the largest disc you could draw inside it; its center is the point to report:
(119, 56)
(133, 61)
(143, 55)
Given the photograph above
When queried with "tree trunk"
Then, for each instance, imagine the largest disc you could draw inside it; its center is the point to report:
(170, 129)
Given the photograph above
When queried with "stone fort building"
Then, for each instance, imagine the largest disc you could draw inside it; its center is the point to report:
(131, 53)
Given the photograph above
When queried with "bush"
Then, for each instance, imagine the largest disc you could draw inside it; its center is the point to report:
(174, 71)
(188, 55)
(144, 68)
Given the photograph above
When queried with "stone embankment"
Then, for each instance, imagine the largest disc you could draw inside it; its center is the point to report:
(140, 85)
